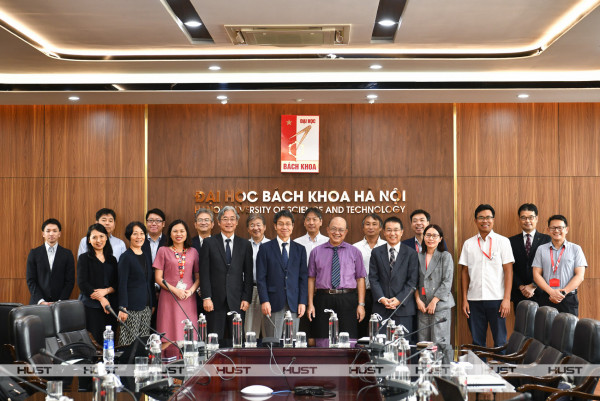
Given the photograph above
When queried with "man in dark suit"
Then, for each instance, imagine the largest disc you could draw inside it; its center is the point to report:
(393, 274)
(225, 275)
(282, 276)
(205, 221)
(50, 268)
(419, 220)
(524, 245)
(155, 223)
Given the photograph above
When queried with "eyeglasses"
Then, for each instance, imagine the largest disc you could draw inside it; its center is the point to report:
(154, 221)
(253, 226)
(228, 219)
(337, 230)
(204, 220)
(393, 230)
(432, 236)
(525, 218)
(485, 218)
(557, 229)
(284, 224)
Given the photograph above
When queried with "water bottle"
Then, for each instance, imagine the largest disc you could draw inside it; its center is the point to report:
(288, 330)
(389, 331)
(155, 360)
(374, 327)
(108, 354)
(402, 371)
(100, 373)
(237, 329)
(202, 328)
(190, 352)
(425, 362)
(334, 328)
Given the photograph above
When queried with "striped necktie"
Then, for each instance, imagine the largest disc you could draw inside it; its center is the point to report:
(335, 268)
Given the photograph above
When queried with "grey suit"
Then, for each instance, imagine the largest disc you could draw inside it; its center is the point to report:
(435, 280)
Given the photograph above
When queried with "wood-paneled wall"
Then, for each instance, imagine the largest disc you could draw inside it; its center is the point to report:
(68, 161)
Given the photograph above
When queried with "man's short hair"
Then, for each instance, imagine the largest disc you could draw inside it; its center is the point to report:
(374, 216)
(393, 219)
(157, 212)
(283, 213)
(558, 217)
(132, 225)
(254, 216)
(527, 207)
(51, 221)
(204, 210)
(484, 206)
(314, 210)
(420, 211)
(226, 208)
(104, 211)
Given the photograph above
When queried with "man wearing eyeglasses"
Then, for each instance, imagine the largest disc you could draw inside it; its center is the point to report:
(524, 245)
(155, 223)
(486, 262)
(559, 268)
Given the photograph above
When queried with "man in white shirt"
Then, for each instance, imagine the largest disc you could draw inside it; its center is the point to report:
(486, 262)
(106, 217)
(256, 226)
(372, 225)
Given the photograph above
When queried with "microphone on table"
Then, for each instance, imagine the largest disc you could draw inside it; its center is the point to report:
(180, 307)
(162, 335)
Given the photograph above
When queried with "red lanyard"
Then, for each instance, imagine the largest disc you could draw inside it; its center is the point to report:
(490, 251)
(180, 261)
(555, 267)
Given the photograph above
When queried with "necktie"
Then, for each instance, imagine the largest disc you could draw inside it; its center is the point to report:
(284, 253)
(228, 251)
(528, 244)
(335, 268)
(51, 257)
(392, 257)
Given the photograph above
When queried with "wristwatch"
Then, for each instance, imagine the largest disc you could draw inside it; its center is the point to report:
(361, 304)
(563, 292)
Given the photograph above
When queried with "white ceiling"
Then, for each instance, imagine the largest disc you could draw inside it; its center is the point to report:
(566, 69)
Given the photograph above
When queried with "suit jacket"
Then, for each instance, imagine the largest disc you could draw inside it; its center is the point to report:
(196, 244)
(146, 245)
(49, 285)
(411, 243)
(91, 275)
(437, 279)
(397, 282)
(522, 270)
(227, 286)
(278, 283)
(136, 286)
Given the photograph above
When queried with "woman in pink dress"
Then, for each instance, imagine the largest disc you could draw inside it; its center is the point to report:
(177, 264)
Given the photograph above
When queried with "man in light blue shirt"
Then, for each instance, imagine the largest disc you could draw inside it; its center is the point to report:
(106, 217)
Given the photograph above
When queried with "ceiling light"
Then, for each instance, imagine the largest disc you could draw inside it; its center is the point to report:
(73, 98)
(299, 100)
(372, 101)
(387, 22)
(224, 101)
(214, 68)
(371, 96)
(222, 97)
(193, 24)
(522, 95)
(375, 67)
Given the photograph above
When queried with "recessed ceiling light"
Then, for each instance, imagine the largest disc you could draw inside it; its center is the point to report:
(371, 96)
(375, 67)
(214, 68)
(372, 101)
(387, 22)
(193, 24)
(222, 97)
(299, 100)
(522, 95)
(73, 98)
(224, 101)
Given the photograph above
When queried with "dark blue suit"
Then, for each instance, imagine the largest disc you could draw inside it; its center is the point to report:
(279, 284)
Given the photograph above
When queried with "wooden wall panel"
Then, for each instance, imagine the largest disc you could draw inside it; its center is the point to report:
(198, 140)
(94, 141)
(22, 141)
(506, 139)
(22, 206)
(74, 201)
(579, 144)
(589, 302)
(14, 290)
(391, 140)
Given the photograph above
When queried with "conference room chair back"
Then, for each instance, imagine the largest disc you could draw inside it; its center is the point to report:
(69, 323)
(29, 340)
(544, 319)
(44, 312)
(6, 344)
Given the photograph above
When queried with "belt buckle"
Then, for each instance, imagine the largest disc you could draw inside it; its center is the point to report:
(334, 291)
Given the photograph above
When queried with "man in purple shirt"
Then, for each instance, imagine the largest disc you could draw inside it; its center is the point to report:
(337, 272)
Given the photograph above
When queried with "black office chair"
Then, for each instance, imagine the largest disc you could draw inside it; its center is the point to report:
(44, 312)
(7, 349)
(521, 335)
(69, 324)
(29, 340)
(544, 318)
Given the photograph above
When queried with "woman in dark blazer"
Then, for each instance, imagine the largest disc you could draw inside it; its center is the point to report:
(97, 280)
(434, 292)
(136, 285)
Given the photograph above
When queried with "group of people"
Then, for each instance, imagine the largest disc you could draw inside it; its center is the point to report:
(409, 281)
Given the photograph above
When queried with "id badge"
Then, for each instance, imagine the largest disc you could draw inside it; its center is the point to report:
(181, 285)
(554, 282)
(422, 290)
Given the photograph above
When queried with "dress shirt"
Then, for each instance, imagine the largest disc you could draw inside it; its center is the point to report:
(51, 255)
(310, 244)
(525, 237)
(118, 246)
(486, 276)
(280, 241)
(365, 249)
(572, 257)
(225, 238)
(255, 248)
(396, 251)
(154, 245)
(351, 265)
